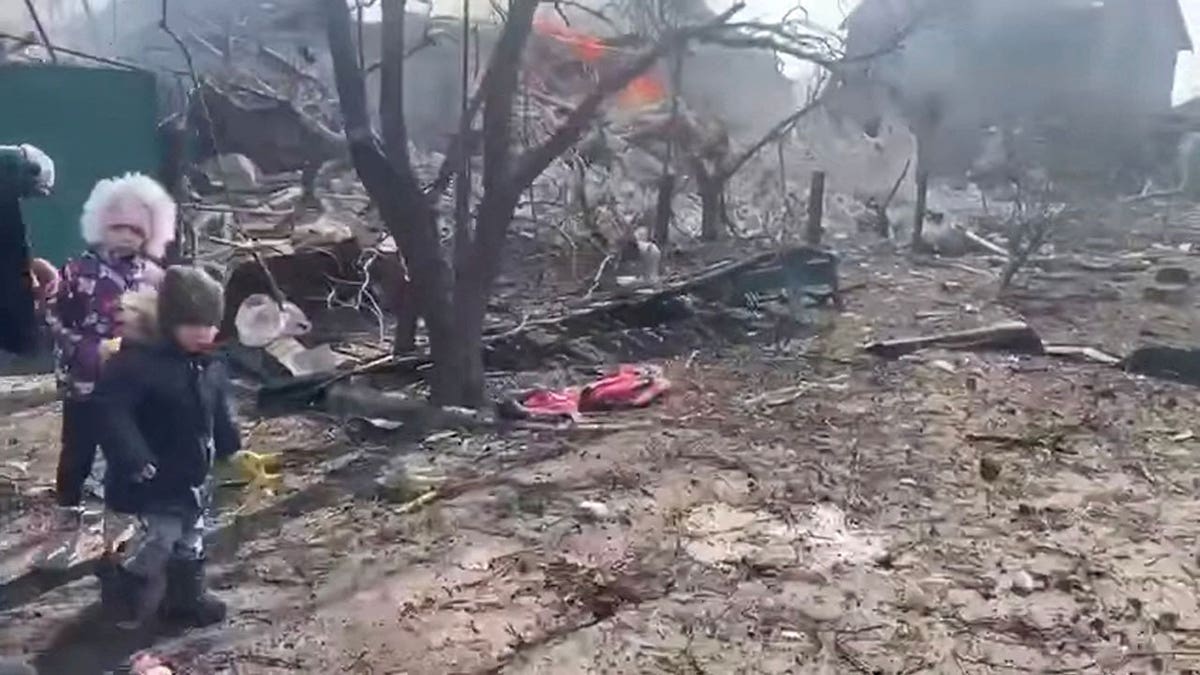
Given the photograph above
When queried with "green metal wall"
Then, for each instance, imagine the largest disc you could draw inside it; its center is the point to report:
(94, 122)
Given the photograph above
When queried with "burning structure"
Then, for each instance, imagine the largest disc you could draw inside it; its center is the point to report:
(1077, 83)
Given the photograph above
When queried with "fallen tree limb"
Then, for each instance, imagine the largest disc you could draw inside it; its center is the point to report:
(1084, 353)
(1147, 196)
(985, 244)
(1014, 336)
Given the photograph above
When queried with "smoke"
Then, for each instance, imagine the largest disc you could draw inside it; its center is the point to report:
(1187, 72)
(15, 19)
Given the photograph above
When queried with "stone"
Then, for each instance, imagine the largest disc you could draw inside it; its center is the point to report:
(1022, 583)
(595, 510)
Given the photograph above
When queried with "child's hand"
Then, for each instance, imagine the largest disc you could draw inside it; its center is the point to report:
(147, 473)
(108, 348)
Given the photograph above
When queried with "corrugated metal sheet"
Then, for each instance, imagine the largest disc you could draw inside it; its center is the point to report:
(94, 123)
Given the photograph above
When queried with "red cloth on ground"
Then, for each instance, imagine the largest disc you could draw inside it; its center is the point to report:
(629, 387)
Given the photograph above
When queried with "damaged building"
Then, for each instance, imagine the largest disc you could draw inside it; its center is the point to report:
(283, 42)
(1078, 85)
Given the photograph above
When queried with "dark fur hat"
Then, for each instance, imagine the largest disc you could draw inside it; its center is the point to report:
(189, 297)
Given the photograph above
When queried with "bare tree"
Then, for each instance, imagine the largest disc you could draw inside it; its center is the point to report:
(1033, 219)
(713, 165)
(452, 299)
(713, 171)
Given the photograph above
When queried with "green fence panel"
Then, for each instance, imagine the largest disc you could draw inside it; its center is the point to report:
(94, 122)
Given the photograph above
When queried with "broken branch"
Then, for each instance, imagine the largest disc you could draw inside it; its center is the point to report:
(1014, 336)
(534, 161)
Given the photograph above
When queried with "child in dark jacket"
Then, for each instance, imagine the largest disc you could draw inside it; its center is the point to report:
(167, 416)
(127, 223)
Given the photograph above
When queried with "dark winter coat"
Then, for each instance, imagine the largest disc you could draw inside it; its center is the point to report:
(20, 177)
(18, 322)
(164, 407)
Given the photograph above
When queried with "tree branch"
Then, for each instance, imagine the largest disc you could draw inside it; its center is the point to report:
(770, 44)
(380, 174)
(777, 131)
(534, 161)
(459, 144)
(594, 13)
(391, 182)
(391, 82)
(351, 86)
(41, 29)
(500, 92)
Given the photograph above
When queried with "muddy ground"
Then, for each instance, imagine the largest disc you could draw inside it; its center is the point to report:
(789, 508)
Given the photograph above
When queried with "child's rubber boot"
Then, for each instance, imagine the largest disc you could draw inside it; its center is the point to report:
(121, 592)
(186, 600)
(57, 554)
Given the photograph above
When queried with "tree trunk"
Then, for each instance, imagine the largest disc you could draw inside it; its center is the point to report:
(470, 311)
(712, 206)
(393, 186)
(473, 286)
(918, 233)
(816, 210)
(404, 308)
(662, 212)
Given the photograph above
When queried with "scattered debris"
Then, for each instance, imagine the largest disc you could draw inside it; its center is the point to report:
(694, 502)
(232, 172)
(352, 400)
(989, 469)
(149, 664)
(985, 244)
(1172, 286)
(595, 510)
(1021, 582)
(628, 387)
(1085, 353)
(1014, 336)
(258, 470)
(301, 361)
(1170, 363)
(260, 320)
(403, 484)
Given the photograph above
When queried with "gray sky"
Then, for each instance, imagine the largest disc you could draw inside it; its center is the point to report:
(828, 13)
(1187, 74)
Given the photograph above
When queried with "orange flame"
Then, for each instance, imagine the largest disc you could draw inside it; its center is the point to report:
(645, 90)
(587, 48)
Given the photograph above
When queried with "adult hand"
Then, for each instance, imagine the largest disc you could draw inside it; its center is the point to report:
(45, 279)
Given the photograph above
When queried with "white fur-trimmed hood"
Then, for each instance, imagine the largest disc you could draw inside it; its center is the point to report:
(132, 199)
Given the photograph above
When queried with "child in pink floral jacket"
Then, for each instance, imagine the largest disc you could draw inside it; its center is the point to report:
(127, 223)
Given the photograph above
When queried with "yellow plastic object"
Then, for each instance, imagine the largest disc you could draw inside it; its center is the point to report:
(257, 469)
